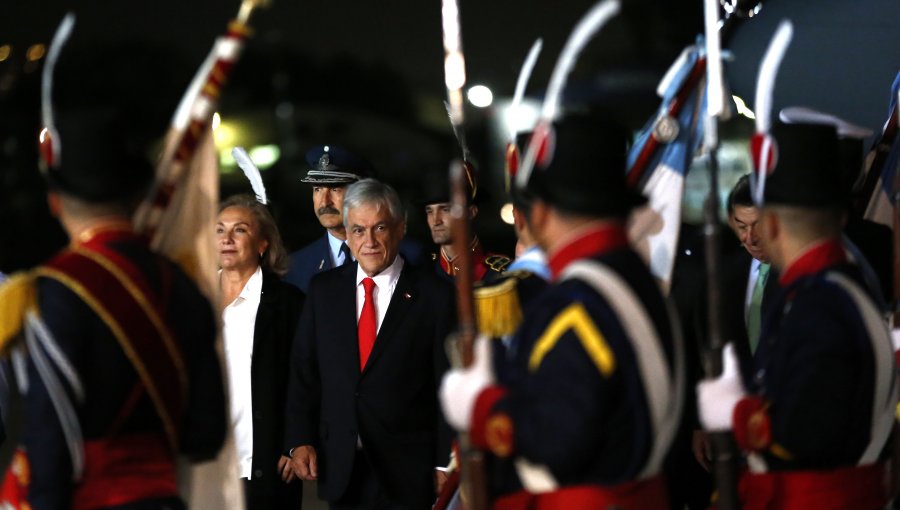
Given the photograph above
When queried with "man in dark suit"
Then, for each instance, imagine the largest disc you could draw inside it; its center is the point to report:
(362, 412)
(333, 168)
(749, 282)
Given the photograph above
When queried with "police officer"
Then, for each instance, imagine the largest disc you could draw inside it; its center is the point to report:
(332, 169)
(436, 202)
(588, 416)
(815, 416)
(122, 374)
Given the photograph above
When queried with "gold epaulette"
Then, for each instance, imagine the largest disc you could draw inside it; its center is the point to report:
(497, 262)
(18, 295)
(497, 308)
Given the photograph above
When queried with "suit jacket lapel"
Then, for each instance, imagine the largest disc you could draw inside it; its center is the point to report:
(344, 302)
(401, 301)
(265, 314)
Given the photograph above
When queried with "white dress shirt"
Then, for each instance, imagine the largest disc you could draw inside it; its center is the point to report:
(334, 247)
(385, 283)
(751, 284)
(238, 321)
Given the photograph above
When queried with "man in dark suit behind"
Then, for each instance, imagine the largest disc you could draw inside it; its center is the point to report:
(362, 411)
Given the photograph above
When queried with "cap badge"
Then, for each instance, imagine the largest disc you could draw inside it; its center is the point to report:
(324, 162)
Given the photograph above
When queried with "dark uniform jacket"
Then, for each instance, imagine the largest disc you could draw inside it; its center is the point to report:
(392, 405)
(574, 401)
(825, 368)
(306, 262)
(115, 410)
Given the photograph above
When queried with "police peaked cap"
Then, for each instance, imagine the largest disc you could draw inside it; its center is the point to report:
(808, 168)
(583, 167)
(332, 164)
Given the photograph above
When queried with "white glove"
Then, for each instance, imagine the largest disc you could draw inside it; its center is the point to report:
(461, 386)
(895, 338)
(717, 398)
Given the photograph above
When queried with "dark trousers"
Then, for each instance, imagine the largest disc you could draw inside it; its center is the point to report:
(272, 494)
(364, 492)
(172, 503)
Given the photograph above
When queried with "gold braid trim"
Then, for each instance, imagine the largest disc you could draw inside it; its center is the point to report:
(497, 309)
(18, 295)
(124, 342)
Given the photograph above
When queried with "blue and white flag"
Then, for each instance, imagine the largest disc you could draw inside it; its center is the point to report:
(660, 159)
(884, 158)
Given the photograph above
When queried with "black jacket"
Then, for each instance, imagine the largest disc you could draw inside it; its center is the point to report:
(279, 311)
(392, 405)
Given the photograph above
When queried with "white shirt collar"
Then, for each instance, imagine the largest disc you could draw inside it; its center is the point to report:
(253, 288)
(385, 279)
(334, 247)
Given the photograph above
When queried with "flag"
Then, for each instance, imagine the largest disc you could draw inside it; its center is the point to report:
(178, 218)
(882, 163)
(660, 159)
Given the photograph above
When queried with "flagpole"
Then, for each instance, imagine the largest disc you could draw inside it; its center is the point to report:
(473, 480)
(171, 168)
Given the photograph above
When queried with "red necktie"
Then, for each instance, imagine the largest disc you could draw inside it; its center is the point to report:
(367, 324)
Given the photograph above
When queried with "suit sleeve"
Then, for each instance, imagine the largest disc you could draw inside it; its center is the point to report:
(444, 326)
(304, 385)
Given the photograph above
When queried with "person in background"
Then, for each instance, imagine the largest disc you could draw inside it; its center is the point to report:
(363, 416)
(259, 318)
(815, 414)
(332, 169)
(435, 201)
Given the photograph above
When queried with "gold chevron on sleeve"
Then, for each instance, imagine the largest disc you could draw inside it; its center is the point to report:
(575, 318)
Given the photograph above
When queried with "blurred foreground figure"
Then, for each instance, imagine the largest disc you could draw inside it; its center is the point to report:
(121, 371)
(586, 410)
(815, 414)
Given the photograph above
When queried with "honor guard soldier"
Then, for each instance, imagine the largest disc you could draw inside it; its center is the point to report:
(122, 372)
(815, 417)
(436, 202)
(332, 169)
(587, 414)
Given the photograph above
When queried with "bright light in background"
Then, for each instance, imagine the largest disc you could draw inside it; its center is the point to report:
(742, 108)
(480, 96)
(216, 121)
(225, 134)
(523, 118)
(35, 52)
(265, 155)
(4, 52)
(506, 214)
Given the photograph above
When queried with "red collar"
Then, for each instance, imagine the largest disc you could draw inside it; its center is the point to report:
(593, 241)
(104, 235)
(816, 258)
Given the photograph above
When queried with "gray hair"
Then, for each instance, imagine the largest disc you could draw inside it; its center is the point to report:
(377, 193)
